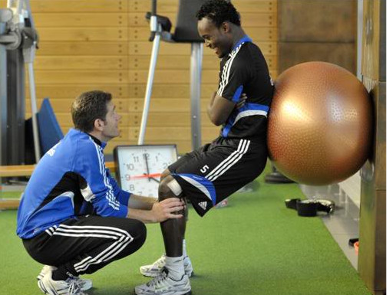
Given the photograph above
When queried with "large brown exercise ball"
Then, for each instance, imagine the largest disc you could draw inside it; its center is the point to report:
(320, 124)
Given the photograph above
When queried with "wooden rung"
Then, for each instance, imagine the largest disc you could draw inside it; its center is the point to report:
(9, 204)
(26, 170)
(111, 166)
(16, 170)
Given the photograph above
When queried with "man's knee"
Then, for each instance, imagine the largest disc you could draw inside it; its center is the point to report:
(165, 174)
(141, 234)
(138, 232)
(134, 234)
(168, 188)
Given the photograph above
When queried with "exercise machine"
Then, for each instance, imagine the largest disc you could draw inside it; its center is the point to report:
(18, 43)
(185, 32)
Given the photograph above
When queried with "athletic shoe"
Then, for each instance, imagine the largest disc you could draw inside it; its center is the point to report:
(155, 269)
(163, 284)
(85, 284)
(53, 287)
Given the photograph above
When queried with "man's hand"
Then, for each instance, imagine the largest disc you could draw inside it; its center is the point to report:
(165, 209)
(242, 101)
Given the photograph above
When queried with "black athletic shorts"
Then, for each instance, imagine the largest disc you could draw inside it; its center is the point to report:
(216, 170)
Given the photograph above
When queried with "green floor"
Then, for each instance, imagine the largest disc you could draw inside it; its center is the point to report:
(253, 246)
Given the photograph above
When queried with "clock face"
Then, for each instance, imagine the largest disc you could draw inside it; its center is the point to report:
(139, 167)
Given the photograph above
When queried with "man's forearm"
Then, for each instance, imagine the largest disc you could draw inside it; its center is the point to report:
(141, 202)
(209, 106)
(146, 216)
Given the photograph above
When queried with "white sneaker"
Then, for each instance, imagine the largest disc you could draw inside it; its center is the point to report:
(84, 284)
(155, 269)
(163, 284)
(52, 287)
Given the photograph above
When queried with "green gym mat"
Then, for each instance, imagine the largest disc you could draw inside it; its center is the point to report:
(253, 246)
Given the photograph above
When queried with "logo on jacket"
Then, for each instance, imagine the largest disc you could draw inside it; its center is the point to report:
(51, 152)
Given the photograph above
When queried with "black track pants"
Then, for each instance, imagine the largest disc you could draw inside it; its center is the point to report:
(86, 244)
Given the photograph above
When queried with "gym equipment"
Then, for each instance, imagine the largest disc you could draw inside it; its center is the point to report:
(352, 241)
(49, 128)
(310, 208)
(276, 177)
(49, 132)
(320, 124)
(185, 32)
(18, 43)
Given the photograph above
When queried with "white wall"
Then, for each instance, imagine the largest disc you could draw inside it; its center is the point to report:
(351, 187)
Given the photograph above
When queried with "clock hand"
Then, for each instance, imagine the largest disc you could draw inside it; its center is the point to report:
(156, 180)
(149, 176)
(147, 166)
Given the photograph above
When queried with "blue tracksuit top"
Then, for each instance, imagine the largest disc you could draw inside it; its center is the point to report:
(77, 155)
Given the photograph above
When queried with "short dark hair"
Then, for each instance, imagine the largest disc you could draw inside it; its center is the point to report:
(219, 11)
(88, 107)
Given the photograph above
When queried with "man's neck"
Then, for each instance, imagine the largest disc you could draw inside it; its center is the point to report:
(96, 137)
(238, 35)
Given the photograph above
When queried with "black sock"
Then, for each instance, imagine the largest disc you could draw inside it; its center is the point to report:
(60, 274)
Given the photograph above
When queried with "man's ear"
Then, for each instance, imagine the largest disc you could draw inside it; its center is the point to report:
(225, 27)
(99, 124)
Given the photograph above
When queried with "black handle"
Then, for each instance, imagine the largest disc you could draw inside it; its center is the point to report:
(154, 7)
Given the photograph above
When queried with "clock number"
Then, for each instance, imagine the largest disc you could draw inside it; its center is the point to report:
(136, 159)
(127, 177)
(131, 188)
(130, 166)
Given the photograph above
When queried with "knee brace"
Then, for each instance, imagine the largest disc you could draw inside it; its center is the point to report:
(174, 186)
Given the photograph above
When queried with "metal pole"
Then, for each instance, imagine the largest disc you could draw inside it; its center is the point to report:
(34, 111)
(3, 99)
(9, 3)
(15, 106)
(30, 17)
(154, 7)
(29, 57)
(148, 92)
(155, 29)
(196, 78)
(15, 86)
(19, 8)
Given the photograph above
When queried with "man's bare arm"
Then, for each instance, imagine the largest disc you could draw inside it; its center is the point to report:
(219, 109)
(151, 211)
(141, 202)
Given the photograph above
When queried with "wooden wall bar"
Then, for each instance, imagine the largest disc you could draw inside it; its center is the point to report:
(103, 44)
(372, 231)
(317, 30)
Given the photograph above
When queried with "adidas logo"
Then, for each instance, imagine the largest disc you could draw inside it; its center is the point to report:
(203, 205)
